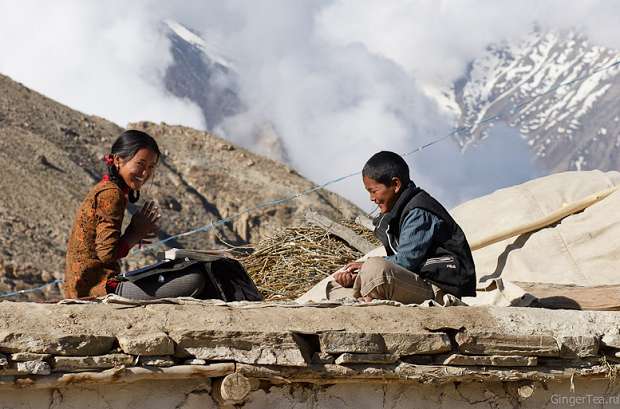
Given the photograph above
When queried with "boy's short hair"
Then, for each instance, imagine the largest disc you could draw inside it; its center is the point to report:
(385, 165)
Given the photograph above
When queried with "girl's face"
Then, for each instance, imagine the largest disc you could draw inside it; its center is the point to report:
(137, 170)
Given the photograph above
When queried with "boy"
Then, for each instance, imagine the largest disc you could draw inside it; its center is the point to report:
(427, 252)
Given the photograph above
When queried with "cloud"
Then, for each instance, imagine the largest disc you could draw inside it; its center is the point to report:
(342, 79)
(435, 40)
(337, 79)
(104, 58)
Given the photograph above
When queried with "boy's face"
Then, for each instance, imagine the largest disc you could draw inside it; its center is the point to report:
(384, 196)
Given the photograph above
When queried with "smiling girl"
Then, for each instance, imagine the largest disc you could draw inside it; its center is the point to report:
(96, 244)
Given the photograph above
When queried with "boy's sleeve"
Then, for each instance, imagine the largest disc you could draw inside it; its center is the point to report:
(109, 212)
(416, 238)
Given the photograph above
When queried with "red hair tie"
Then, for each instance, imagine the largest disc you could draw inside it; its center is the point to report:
(109, 159)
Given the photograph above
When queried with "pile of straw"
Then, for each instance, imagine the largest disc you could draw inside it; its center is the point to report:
(296, 258)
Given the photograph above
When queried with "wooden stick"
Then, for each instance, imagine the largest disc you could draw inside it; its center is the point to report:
(121, 375)
(346, 234)
(550, 219)
(234, 387)
(410, 373)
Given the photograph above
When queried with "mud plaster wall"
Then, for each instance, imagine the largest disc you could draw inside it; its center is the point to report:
(184, 394)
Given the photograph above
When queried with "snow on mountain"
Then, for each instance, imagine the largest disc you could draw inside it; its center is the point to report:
(572, 127)
(203, 73)
(211, 51)
(575, 127)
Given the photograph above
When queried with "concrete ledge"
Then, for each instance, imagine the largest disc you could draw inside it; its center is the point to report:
(108, 343)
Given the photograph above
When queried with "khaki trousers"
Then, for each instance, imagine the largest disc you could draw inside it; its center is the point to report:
(383, 280)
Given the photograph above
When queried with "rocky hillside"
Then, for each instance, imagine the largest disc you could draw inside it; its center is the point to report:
(50, 157)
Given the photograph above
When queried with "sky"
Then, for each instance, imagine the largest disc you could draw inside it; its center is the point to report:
(337, 79)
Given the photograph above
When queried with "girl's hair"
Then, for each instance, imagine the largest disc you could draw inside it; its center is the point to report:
(126, 146)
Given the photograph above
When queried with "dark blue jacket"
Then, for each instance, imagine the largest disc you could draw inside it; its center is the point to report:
(448, 262)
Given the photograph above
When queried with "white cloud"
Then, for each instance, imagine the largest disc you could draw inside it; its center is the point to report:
(435, 40)
(338, 79)
(342, 79)
(104, 58)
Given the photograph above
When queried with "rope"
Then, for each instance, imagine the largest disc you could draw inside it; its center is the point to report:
(30, 290)
(456, 131)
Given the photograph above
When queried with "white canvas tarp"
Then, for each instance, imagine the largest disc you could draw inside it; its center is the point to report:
(581, 249)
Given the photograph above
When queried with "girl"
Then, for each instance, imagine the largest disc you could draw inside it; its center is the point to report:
(96, 244)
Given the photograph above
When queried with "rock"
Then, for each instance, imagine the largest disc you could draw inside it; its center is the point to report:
(417, 344)
(26, 368)
(337, 342)
(611, 340)
(151, 344)
(504, 344)
(195, 361)
(77, 363)
(3, 361)
(493, 360)
(348, 358)
(419, 359)
(29, 356)
(264, 348)
(322, 358)
(569, 362)
(76, 345)
(578, 346)
(159, 361)
(34, 367)
(400, 344)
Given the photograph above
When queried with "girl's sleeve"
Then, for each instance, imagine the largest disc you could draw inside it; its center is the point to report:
(110, 209)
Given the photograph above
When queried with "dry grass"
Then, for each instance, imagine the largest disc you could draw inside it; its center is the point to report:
(289, 263)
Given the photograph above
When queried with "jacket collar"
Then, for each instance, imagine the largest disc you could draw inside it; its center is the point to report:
(383, 220)
(125, 188)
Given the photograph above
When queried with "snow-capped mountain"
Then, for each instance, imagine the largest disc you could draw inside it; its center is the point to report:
(572, 127)
(201, 73)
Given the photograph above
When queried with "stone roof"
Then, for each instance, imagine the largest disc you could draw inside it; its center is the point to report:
(51, 345)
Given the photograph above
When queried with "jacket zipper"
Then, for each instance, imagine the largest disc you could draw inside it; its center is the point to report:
(390, 241)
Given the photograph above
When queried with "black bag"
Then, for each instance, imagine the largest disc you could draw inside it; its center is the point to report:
(226, 279)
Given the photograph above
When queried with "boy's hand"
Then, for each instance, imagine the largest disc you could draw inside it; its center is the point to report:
(346, 275)
(344, 278)
(353, 267)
